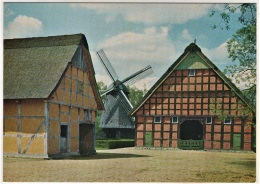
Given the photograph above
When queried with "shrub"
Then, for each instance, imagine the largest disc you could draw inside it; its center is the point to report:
(115, 143)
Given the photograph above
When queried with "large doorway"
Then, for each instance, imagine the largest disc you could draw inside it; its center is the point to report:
(191, 135)
(86, 139)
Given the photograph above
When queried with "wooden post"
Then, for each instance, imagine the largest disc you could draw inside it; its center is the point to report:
(19, 126)
(46, 127)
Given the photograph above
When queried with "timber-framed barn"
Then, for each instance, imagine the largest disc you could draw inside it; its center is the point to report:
(50, 97)
(178, 111)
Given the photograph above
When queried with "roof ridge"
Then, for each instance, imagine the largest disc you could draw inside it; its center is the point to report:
(192, 48)
(49, 41)
(50, 36)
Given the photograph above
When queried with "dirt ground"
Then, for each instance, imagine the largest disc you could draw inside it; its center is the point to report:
(136, 165)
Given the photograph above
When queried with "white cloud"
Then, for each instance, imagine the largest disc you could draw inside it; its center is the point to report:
(218, 55)
(146, 46)
(149, 13)
(186, 35)
(135, 49)
(146, 83)
(104, 78)
(129, 52)
(23, 26)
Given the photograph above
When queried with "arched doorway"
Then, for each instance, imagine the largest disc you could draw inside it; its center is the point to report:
(191, 135)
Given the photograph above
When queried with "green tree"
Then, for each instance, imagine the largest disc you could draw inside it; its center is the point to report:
(242, 50)
(101, 86)
(136, 94)
(242, 46)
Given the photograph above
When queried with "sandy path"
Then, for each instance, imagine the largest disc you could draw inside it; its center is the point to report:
(135, 165)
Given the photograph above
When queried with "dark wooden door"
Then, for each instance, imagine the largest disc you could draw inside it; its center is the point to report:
(86, 137)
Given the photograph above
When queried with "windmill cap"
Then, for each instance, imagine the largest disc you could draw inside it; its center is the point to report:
(192, 48)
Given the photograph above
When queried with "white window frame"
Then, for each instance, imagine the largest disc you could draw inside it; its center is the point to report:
(192, 74)
(230, 120)
(207, 120)
(157, 121)
(175, 121)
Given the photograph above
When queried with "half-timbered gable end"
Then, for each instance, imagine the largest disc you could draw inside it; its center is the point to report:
(180, 110)
(50, 96)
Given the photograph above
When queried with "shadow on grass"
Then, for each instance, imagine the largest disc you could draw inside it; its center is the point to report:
(249, 163)
(99, 156)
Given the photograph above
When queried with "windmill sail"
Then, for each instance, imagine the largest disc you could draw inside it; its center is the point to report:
(138, 76)
(107, 65)
(104, 92)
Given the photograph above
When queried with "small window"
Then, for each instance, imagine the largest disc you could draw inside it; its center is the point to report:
(228, 120)
(88, 115)
(192, 72)
(80, 87)
(63, 131)
(157, 119)
(209, 120)
(174, 119)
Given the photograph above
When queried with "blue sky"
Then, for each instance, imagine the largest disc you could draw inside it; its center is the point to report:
(133, 35)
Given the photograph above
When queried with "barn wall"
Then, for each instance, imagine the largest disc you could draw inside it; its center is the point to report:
(191, 97)
(24, 128)
(69, 105)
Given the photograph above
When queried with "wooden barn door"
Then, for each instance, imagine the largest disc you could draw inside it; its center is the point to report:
(191, 135)
(236, 141)
(148, 139)
(63, 138)
(86, 137)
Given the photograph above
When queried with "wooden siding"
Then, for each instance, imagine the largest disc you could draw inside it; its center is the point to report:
(32, 127)
(24, 127)
(73, 96)
(190, 97)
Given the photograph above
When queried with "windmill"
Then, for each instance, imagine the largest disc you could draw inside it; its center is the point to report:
(114, 119)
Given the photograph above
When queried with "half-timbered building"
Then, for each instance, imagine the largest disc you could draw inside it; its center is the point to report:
(194, 106)
(50, 97)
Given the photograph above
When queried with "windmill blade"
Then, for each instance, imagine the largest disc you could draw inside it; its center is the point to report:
(104, 92)
(107, 65)
(138, 76)
(125, 102)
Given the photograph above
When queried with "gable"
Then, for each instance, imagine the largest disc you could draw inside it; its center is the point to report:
(79, 83)
(193, 61)
(192, 58)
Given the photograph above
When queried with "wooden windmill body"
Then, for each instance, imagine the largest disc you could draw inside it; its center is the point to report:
(115, 120)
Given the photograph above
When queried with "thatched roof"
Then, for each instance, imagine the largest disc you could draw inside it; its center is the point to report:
(192, 48)
(33, 67)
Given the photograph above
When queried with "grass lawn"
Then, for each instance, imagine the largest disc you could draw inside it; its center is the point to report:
(136, 165)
